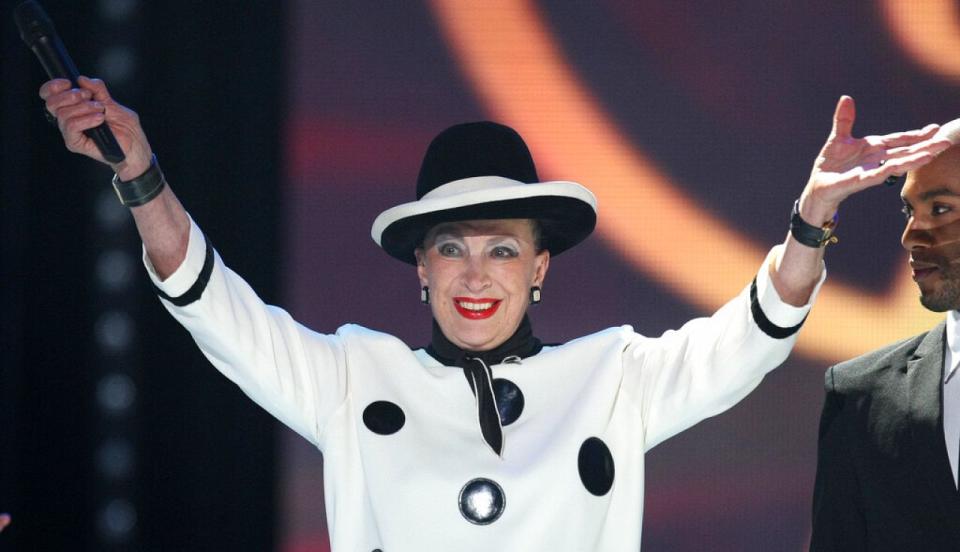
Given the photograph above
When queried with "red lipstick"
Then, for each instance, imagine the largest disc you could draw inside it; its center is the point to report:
(476, 308)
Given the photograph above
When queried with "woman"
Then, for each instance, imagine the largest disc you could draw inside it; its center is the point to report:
(541, 448)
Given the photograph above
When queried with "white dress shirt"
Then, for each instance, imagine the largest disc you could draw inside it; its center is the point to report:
(951, 392)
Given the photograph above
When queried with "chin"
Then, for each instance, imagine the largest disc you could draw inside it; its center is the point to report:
(941, 302)
(935, 304)
(472, 342)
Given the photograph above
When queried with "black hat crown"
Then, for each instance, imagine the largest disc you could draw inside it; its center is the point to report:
(475, 149)
(484, 171)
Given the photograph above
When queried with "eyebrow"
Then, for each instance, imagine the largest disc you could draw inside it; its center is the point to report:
(930, 194)
(498, 238)
(462, 229)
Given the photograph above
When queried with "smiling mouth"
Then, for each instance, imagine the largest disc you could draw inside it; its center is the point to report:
(476, 309)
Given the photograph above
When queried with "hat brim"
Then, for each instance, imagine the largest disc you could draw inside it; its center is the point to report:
(567, 211)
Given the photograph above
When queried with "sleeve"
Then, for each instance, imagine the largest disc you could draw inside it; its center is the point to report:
(711, 363)
(838, 521)
(296, 374)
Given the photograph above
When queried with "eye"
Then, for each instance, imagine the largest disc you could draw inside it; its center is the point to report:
(449, 249)
(504, 252)
(939, 209)
(907, 211)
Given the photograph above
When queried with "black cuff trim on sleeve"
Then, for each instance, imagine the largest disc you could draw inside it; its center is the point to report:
(196, 290)
(764, 323)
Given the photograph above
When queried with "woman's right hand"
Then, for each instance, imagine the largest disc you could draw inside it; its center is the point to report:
(86, 107)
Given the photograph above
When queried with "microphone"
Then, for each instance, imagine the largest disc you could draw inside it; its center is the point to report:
(38, 33)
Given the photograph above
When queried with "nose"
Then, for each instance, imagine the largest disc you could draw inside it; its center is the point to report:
(916, 235)
(476, 278)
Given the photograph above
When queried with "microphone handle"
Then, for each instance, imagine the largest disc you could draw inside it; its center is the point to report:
(58, 65)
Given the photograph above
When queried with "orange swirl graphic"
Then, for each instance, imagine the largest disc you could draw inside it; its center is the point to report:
(514, 65)
(929, 32)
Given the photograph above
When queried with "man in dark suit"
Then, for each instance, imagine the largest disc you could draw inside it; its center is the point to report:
(890, 428)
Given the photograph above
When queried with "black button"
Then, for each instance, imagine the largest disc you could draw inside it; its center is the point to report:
(383, 417)
(595, 464)
(509, 400)
(481, 501)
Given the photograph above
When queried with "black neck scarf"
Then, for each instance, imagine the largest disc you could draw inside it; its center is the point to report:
(476, 368)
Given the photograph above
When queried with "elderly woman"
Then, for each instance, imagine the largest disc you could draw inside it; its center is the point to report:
(486, 439)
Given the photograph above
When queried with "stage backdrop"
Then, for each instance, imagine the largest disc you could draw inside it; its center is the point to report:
(695, 123)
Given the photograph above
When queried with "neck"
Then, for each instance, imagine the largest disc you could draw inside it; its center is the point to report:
(521, 344)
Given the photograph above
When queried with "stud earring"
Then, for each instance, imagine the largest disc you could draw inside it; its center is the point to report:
(425, 295)
(535, 295)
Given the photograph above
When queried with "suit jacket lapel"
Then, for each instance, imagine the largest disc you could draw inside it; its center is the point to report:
(925, 394)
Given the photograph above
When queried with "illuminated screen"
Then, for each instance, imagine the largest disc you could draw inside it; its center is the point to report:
(695, 124)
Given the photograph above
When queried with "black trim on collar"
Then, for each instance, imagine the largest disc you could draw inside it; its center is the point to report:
(521, 344)
(764, 323)
(196, 290)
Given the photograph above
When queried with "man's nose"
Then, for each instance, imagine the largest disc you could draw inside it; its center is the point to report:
(916, 235)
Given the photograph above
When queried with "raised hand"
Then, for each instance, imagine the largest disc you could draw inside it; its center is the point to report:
(79, 109)
(847, 165)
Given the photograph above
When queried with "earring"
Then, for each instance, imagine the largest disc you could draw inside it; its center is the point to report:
(535, 295)
(425, 295)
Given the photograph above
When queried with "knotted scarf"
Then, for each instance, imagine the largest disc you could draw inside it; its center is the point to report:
(476, 366)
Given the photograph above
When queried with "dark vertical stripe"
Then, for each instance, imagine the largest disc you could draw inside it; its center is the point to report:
(196, 290)
(764, 323)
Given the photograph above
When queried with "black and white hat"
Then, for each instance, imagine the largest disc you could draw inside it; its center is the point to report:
(478, 171)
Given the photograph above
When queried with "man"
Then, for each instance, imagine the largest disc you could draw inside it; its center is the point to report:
(890, 428)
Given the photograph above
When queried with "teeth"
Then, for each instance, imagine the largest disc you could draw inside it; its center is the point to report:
(475, 306)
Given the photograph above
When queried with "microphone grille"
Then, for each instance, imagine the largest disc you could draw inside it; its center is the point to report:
(33, 22)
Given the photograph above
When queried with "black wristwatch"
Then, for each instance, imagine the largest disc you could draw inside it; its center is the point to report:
(810, 235)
